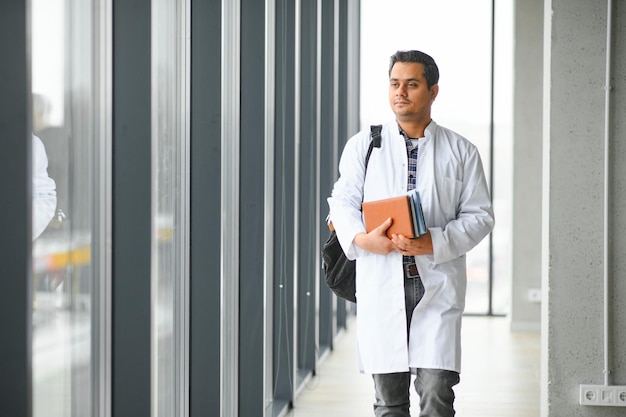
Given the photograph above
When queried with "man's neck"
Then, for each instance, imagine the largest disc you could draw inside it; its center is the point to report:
(413, 128)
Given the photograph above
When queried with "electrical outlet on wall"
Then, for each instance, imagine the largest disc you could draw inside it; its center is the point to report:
(534, 295)
(603, 395)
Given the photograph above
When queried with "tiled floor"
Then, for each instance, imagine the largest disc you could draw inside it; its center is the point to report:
(500, 376)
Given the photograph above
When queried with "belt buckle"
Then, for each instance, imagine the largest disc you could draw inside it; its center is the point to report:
(410, 271)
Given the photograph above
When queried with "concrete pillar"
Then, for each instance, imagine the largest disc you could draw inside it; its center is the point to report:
(573, 187)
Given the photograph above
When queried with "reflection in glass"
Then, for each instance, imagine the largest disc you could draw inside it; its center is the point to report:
(65, 91)
(169, 254)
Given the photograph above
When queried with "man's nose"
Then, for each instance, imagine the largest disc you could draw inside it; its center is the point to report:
(401, 91)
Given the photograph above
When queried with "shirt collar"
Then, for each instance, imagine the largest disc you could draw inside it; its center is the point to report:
(409, 142)
(429, 131)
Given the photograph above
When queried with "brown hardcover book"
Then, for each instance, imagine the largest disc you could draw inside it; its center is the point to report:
(398, 208)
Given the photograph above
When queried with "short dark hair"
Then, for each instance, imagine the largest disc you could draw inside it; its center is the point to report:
(431, 71)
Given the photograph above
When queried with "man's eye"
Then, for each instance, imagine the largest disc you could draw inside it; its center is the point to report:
(412, 85)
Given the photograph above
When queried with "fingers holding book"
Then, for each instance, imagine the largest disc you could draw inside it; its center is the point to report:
(422, 245)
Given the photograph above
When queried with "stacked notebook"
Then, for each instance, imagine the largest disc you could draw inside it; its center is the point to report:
(405, 211)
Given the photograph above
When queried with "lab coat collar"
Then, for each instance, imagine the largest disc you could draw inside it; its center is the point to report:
(429, 132)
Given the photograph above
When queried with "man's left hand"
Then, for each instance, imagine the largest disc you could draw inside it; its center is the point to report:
(422, 245)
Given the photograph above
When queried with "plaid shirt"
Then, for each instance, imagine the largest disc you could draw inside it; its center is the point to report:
(411, 152)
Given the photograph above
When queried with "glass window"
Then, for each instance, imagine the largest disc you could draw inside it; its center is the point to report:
(68, 68)
(503, 157)
(170, 197)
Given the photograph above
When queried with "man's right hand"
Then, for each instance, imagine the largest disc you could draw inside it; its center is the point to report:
(376, 241)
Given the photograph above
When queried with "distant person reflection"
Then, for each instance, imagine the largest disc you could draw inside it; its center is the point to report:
(44, 189)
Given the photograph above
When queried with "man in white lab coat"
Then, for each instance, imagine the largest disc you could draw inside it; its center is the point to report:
(412, 288)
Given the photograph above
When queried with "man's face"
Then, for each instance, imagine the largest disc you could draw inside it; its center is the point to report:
(409, 95)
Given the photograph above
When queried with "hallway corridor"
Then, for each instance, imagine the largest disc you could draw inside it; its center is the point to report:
(500, 376)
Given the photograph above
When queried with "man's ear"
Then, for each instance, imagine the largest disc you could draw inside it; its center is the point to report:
(434, 90)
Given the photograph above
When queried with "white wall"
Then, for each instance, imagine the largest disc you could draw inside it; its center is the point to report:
(527, 155)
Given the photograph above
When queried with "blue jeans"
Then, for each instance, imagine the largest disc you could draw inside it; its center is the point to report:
(434, 386)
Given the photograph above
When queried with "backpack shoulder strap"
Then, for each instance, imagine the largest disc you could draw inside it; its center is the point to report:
(374, 143)
(375, 133)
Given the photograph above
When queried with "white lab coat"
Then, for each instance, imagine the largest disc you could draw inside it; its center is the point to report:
(458, 213)
(44, 189)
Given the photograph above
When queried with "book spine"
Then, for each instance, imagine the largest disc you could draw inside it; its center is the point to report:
(420, 223)
(414, 215)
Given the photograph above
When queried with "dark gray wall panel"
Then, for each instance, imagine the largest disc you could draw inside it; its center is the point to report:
(308, 214)
(131, 208)
(15, 206)
(205, 208)
(328, 164)
(252, 212)
(284, 202)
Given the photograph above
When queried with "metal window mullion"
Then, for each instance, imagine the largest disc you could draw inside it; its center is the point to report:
(335, 135)
(318, 159)
(296, 309)
(102, 257)
(229, 236)
(341, 84)
(318, 162)
(268, 229)
(491, 149)
(353, 67)
(185, 130)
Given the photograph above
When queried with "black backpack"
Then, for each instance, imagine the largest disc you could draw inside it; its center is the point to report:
(339, 271)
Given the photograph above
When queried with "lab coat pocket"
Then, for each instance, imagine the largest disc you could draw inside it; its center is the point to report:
(454, 282)
(449, 192)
